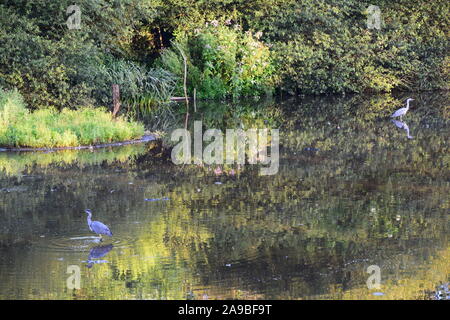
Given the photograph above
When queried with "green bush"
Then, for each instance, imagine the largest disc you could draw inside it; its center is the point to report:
(307, 46)
(222, 61)
(67, 128)
(325, 46)
(53, 66)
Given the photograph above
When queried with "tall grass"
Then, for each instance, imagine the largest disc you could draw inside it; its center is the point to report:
(46, 128)
(12, 107)
(142, 90)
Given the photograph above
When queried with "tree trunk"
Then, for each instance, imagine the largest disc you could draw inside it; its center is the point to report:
(116, 99)
(185, 86)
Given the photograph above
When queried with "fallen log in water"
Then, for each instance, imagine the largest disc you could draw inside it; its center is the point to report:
(179, 98)
(145, 138)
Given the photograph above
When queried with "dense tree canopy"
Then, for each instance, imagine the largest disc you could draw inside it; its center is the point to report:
(314, 46)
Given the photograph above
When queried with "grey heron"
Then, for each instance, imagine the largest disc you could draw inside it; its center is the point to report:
(96, 226)
(402, 111)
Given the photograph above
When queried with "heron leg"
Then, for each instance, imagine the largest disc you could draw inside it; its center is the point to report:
(101, 238)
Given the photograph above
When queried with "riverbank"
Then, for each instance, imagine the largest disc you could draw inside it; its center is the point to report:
(48, 128)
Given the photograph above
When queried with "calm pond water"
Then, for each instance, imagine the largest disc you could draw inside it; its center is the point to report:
(353, 190)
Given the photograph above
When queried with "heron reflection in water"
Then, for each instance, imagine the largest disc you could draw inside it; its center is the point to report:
(404, 126)
(97, 253)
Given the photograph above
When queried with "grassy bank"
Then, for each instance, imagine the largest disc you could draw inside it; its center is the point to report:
(67, 128)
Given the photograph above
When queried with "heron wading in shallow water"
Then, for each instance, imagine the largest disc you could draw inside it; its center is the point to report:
(97, 227)
(402, 111)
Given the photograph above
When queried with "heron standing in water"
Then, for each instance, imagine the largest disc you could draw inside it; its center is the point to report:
(97, 227)
(402, 111)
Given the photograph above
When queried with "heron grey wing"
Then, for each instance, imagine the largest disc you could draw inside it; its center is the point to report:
(100, 228)
(107, 231)
(399, 112)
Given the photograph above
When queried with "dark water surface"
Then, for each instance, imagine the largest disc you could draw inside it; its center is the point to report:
(353, 190)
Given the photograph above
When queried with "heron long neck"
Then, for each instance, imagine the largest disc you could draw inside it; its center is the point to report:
(89, 221)
(407, 105)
